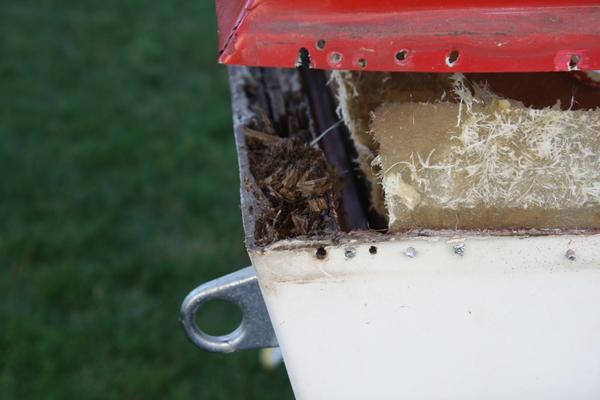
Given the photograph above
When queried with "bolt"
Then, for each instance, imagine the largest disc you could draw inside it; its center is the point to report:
(570, 254)
(459, 249)
(410, 252)
(350, 252)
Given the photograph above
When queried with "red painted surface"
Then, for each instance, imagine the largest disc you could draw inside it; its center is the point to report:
(509, 35)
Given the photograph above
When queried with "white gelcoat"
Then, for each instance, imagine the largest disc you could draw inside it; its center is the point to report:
(512, 318)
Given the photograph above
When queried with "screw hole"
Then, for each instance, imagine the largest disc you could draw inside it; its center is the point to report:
(373, 249)
(452, 58)
(574, 62)
(321, 44)
(321, 253)
(362, 63)
(401, 56)
(336, 58)
(303, 58)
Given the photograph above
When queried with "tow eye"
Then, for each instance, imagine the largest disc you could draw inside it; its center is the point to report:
(240, 288)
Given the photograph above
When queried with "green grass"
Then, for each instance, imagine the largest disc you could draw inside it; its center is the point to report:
(118, 195)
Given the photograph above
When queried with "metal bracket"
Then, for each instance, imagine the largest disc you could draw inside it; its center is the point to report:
(241, 288)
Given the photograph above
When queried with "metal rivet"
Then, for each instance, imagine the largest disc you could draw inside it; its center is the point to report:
(410, 252)
(570, 254)
(350, 252)
(459, 249)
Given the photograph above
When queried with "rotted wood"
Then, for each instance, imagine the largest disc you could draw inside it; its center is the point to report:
(288, 189)
(338, 149)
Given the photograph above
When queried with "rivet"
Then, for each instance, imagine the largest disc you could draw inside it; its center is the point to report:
(350, 252)
(410, 252)
(459, 249)
(570, 254)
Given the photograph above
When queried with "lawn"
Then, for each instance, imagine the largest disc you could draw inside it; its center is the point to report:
(118, 195)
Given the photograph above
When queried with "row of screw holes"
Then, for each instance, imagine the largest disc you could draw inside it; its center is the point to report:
(322, 253)
(402, 55)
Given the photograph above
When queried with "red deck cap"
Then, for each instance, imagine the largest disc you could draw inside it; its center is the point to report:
(412, 35)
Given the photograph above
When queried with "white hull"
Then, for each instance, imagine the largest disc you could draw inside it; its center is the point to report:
(512, 318)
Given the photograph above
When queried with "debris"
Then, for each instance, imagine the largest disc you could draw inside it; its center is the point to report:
(298, 184)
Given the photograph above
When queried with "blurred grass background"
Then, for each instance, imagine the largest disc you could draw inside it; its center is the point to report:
(118, 195)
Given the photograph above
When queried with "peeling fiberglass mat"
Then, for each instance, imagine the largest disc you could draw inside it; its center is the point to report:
(487, 162)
